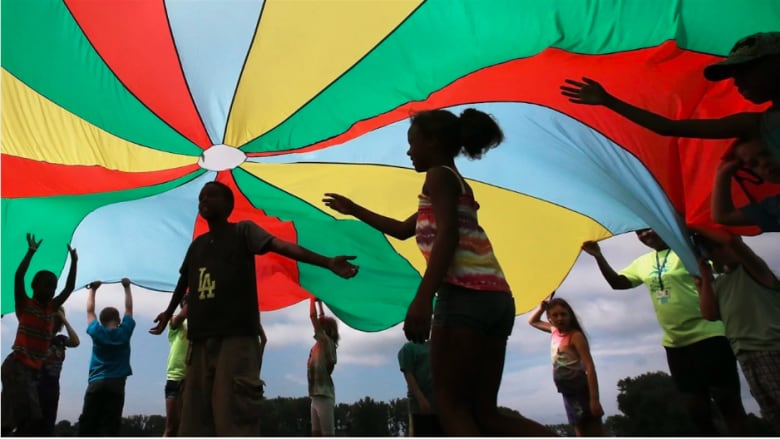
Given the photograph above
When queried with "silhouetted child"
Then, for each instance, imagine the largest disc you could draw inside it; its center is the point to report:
(746, 296)
(414, 359)
(175, 374)
(49, 381)
(574, 373)
(322, 360)
(754, 64)
(109, 366)
(21, 407)
(475, 310)
(223, 393)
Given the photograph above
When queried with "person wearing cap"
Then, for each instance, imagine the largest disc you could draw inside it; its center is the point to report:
(754, 64)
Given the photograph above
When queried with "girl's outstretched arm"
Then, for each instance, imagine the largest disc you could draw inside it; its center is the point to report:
(535, 319)
(580, 344)
(389, 226)
(590, 92)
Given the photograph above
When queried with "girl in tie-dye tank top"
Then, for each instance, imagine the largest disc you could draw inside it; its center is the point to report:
(474, 311)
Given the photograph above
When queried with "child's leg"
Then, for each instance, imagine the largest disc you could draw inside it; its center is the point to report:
(114, 405)
(762, 372)
(172, 407)
(90, 419)
(314, 411)
(237, 392)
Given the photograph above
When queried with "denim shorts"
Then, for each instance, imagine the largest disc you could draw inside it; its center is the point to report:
(492, 313)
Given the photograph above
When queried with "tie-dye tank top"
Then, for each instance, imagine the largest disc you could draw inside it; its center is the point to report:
(474, 264)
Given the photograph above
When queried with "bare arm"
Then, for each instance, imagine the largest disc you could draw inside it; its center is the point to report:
(163, 318)
(20, 295)
(128, 297)
(753, 264)
(178, 319)
(615, 280)
(91, 290)
(591, 92)
(315, 322)
(70, 283)
(580, 344)
(339, 265)
(723, 210)
(389, 226)
(535, 319)
(708, 304)
(73, 336)
(414, 389)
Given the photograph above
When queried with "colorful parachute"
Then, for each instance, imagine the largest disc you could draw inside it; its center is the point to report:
(116, 112)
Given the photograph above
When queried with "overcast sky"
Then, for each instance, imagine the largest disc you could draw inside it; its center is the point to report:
(625, 341)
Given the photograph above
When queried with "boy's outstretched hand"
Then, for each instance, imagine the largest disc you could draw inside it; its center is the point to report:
(94, 285)
(125, 282)
(162, 322)
(341, 266)
(587, 92)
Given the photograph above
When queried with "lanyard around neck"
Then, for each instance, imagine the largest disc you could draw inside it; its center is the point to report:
(660, 267)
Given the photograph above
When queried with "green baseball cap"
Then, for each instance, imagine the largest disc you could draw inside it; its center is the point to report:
(747, 49)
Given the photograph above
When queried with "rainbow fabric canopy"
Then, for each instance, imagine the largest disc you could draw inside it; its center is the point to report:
(115, 113)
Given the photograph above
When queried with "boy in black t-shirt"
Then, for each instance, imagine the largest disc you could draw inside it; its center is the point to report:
(222, 391)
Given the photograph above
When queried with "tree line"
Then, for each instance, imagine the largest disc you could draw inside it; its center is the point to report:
(649, 405)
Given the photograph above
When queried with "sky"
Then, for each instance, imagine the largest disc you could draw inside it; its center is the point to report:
(624, 336)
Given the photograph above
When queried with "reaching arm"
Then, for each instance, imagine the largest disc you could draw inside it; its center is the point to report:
(178, 319)
(128, 297)
(20, 295)
(73, 336)
(590, 92)
(723, 210)
(91, 290)
(535, 319)
(339, 265)
(708, 304)
(615, 280)
(70, 283)
(753, 264)
(389, 226)
(163, 318)
(315, 322)
(580, 344)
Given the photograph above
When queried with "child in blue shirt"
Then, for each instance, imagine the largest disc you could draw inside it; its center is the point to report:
(109, 366)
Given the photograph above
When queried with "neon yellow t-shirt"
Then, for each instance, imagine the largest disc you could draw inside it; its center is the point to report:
(177, 338)
(674, 297)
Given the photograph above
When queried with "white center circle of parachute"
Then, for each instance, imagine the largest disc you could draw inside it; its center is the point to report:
(221, 158)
